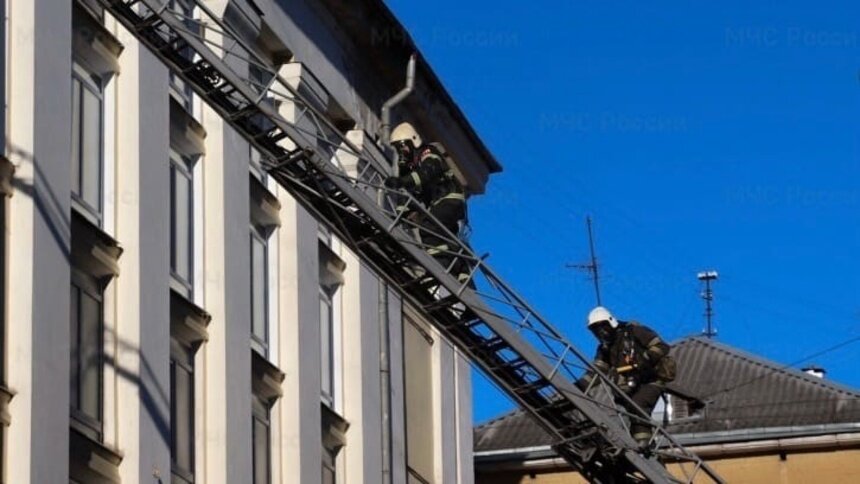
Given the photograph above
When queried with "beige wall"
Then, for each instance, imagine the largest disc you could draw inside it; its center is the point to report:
(796, 468)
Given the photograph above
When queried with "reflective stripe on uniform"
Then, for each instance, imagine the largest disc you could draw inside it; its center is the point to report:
(654, 341)
(437, 249)
(416, 178)
(451, 196)
(429, 154)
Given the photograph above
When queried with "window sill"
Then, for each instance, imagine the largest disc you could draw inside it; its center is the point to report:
(334, 429)
(93, 45)
(187, 135)
(179, 476)
(265, 207)
(93, 251)
(266, 379)
(331, 268)
(188, 322)
(5, 397)
(92, 461)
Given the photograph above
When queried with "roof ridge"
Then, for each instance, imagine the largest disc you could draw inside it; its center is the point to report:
(772, 365)
(497, 419)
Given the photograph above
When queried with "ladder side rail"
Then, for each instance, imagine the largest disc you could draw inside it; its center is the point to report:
(562, 385)
(258, 61)
(482, 363)
(527, 352)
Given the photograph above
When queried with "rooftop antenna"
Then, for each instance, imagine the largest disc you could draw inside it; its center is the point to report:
(708, 296)
(592, 267)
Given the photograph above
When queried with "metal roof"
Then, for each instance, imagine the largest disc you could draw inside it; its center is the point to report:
(740, 391)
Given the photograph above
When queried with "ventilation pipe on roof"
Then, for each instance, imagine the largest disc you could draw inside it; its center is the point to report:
(385, 131)
(814, 370)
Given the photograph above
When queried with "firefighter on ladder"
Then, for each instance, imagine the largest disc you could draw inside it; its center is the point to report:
(428, 177)
(638, 361)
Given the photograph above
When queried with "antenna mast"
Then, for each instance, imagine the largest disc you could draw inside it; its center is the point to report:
(592, 267)
(708, 296)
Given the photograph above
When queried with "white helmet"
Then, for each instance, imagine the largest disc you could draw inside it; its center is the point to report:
(599, 315)
(404, 132)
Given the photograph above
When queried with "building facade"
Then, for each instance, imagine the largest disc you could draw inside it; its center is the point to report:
(169, 312)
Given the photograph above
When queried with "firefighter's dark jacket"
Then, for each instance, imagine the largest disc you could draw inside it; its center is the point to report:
(431, 179)
(637, 345)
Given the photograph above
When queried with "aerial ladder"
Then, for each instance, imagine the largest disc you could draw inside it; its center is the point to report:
(484, 317)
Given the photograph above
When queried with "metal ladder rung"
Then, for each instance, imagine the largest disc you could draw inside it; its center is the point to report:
(492, 346)
(532, 387)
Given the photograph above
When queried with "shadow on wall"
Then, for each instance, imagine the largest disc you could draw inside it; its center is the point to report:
(155, 400)
(153, 396)
(48, 204)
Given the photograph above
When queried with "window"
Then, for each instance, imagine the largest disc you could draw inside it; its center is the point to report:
(329, 466)
(261, 77)
(264, 220)
(181, 224)
(182, 412)
(2, 286)
(188, 324)
(86, 327)
(418, 388)
(266, 382)
(674, 408)
(6, 170)
(94, 8)
(261, 438)
(259, 290)
(2, 290)
(326, 347)
(334, 429)
(331, 269)
(179, 89)
(257, 166)
(87, 156)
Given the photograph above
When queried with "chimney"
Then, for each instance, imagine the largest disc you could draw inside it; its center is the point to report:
(815, 371)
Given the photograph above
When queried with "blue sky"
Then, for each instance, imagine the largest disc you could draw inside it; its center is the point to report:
(697, 134)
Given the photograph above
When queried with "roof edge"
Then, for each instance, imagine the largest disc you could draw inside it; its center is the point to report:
(402, 40)
(687, 440)
(770, 364)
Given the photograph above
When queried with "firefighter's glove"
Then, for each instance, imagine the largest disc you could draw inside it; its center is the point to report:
(393, 182)
(647, 361)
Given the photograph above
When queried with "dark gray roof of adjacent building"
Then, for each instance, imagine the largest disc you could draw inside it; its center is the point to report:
(739, 392)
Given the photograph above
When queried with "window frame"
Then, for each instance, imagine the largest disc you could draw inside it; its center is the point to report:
(182, 358)
(329, 463)
(86, 80)
(256, 163)
(261, 344)
(178, 88)
(182, 166)
(331, 268)
(3, 285)
(261, 412)
(327, 397)
(88, 425)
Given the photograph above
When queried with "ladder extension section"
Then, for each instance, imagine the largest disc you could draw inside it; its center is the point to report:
(341, 185)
